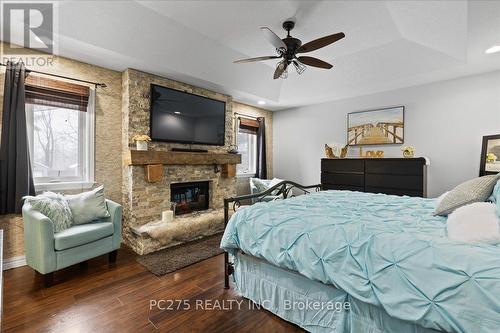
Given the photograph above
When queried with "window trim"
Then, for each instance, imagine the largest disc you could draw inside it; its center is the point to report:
(252, 157)
(88, 153)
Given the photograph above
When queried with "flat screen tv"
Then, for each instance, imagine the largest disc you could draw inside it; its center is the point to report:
(177, 116)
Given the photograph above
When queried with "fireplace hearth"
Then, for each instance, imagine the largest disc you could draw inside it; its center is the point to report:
(189, 197)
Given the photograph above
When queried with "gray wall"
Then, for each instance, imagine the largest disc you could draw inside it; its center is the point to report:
(445, 121)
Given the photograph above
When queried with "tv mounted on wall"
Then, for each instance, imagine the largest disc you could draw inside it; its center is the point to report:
(177, 116)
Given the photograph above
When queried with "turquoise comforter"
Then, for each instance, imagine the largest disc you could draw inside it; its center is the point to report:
(384, 250)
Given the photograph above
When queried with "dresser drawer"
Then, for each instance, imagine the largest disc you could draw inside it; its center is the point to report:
(396, 167)
(342, 166)
(410, 193)
(342, 187)
(343, 179)
(394, 181)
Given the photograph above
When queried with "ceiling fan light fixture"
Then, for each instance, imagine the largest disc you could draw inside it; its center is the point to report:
(299, 67)
(284, 75)
(287, 49)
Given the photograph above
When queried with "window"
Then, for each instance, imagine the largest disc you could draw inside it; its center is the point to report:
(247, 147)
(60, 134)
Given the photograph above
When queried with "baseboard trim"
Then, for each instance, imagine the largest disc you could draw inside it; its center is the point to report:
(14, 262)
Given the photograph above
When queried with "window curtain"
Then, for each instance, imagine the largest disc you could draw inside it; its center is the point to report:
(16, 178)
(261, 168)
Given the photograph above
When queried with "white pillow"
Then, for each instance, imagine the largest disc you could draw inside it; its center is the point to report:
(474, 223)
(275, 181)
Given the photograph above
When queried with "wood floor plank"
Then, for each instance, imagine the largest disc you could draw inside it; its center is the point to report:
(102, 297)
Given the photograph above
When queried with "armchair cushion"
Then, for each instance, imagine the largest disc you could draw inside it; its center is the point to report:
(82, 234)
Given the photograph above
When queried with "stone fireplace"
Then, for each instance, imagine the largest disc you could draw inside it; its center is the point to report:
(144, 199)
(189, 197)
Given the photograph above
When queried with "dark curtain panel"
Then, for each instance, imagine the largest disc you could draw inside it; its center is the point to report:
(16, 179)
(261, 169)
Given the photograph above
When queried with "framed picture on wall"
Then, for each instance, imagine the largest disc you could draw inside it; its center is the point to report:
(490, 155)
(376, 127)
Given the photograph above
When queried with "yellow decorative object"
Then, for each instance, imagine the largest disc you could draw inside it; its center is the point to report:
(335, 150)
(329, 151)
(142, 137)
(343, 151)
(408, 151)
(141, 142)
(491, 158)
(374, 154)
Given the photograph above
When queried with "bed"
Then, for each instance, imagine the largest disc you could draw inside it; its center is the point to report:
(386, 256)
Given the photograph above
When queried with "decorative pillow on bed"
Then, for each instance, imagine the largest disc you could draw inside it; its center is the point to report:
(55, 207)
(441, 197)
(474, 223)
(273, 182)
(474, 190)
(495, 197)
(259, 184)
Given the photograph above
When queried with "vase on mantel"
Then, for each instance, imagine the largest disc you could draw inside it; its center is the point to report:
(141, 145)
(141, 141)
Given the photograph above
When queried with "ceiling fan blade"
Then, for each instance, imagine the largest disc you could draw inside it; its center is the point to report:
(279, 70)
(255, 59)
(320, 42)
(315, 62)
(273, 38)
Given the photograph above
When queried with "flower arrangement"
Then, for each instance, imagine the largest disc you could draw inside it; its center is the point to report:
(141, 141)
(142, 137)
(491, 158)
(408, 151)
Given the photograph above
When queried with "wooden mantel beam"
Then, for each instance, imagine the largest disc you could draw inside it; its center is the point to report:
(137, 157)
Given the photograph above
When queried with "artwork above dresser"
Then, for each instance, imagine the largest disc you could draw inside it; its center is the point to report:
(399, 176)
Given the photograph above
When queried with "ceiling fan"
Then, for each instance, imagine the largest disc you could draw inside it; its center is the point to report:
(288, 48)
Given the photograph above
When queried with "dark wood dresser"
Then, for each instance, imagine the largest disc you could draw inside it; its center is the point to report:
(399, 176)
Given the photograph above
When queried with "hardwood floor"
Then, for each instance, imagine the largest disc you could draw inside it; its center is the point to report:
(102, 297)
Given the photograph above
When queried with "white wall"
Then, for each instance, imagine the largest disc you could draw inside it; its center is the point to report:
(445, 121)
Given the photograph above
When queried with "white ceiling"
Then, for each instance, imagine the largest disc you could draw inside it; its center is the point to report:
(388, 44)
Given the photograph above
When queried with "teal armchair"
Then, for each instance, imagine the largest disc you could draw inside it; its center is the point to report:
(47, 252)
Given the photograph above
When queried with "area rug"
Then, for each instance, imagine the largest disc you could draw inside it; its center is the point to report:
(171, 259)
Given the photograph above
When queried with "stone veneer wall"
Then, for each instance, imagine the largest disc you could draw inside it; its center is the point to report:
(143, 202)
(108, 130)
(113, 106)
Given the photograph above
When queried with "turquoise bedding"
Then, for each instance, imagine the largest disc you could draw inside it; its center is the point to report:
(286, 293)
(382, 250)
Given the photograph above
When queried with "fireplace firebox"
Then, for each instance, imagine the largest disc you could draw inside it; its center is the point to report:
(189, 197)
